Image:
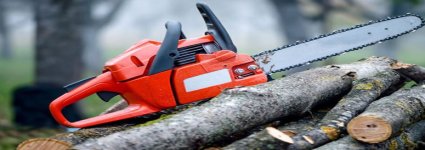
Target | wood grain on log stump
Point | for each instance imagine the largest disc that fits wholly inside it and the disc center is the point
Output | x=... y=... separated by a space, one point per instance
x=410 y=138
x=384 y=118
x=43 y=144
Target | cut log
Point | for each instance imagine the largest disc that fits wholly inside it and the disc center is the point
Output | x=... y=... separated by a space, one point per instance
x=410 y=138
x=241 y=109
x=384 y=118
x=414 y=72
x=363 y=92
x=65 y=140
x=264 y=140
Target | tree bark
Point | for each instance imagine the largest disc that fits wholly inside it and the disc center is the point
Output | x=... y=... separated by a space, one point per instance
x=79 y=136
x=414 y=72
x=410 y=138
x=235 y=110
x=263 y=140
x=333 y=124
x=364 y=92
x=59 y=42
x=241 y=109
x=386 y=117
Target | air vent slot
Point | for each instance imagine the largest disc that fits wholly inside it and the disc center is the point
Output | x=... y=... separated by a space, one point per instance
x=187 y=54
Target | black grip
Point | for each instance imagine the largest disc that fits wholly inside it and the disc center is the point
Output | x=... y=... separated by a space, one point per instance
x=167 y=53
x=215 y=28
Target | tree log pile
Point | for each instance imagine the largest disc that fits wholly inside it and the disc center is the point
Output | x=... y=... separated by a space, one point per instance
x=362 y=105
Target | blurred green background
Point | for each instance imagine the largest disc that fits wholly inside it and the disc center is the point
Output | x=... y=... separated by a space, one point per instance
x=254 y=25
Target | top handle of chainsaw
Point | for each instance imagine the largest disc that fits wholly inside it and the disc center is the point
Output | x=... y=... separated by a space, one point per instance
x=101 y=83
x=167 y=53
x=215 y=28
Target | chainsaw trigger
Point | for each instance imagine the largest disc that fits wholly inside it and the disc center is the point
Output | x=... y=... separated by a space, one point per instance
x=74 y=85
x=106 y=96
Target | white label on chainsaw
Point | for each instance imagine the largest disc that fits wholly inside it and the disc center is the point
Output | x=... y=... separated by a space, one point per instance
x=207 y=80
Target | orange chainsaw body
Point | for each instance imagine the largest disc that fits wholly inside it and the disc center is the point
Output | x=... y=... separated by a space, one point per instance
x=152 y=76
x=127 y=74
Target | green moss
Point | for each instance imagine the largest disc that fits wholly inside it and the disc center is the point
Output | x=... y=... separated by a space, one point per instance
x=408 y=144
x=331 y=132
x=393 y=145
x=363 y=86
x=378 y=83
x=163 y=117
x=404 y=106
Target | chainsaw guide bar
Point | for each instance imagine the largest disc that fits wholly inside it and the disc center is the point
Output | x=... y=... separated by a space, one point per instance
x=301 y=52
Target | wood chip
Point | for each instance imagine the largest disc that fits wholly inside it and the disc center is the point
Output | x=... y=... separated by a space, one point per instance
x=279 y=135
x=308 y=139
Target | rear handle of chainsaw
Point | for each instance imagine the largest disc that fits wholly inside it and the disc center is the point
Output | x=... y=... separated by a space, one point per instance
x=101 y=83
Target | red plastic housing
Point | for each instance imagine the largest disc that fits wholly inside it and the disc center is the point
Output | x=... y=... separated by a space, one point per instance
x=127 y=74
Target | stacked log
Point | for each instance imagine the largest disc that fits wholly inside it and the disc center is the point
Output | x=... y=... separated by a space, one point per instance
x=264 y=111
x=387 y=116
x=410 y=138
x=333 y=124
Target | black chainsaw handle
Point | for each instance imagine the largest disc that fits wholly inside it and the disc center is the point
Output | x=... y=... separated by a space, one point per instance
x=167 y=53
x=215 y=28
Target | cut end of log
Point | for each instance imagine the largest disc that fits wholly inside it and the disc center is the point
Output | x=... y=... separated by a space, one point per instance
x=369 y=129
x=279 y=135
x=399 y=65
x=43 y=144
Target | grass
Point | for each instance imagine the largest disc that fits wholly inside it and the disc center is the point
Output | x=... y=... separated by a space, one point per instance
x=14 y=73
x=19 y=71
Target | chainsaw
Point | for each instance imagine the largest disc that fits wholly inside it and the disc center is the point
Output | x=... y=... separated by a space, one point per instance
x=151 y=76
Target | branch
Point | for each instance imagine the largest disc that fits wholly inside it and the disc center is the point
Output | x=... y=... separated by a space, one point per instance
x=408 y=139
x=386 y=117
x=364 y=92
x=333 y=124
x=414 y=72
x=106 y=19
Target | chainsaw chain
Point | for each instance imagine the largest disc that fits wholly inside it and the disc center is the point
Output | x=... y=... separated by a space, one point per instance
x=336 y=32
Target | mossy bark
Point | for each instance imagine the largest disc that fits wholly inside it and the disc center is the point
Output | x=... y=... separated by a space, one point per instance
x=79 y=136
x=384 y=118
x=233 y=111
x=412 y=137
x=263 y=140
x=364 y=92
x=333 y=124
x=241 y=109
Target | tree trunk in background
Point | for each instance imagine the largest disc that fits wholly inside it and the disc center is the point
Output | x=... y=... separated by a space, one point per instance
x=291 y=19
x=59 y=43
x=93 y=52
x=5 y=48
